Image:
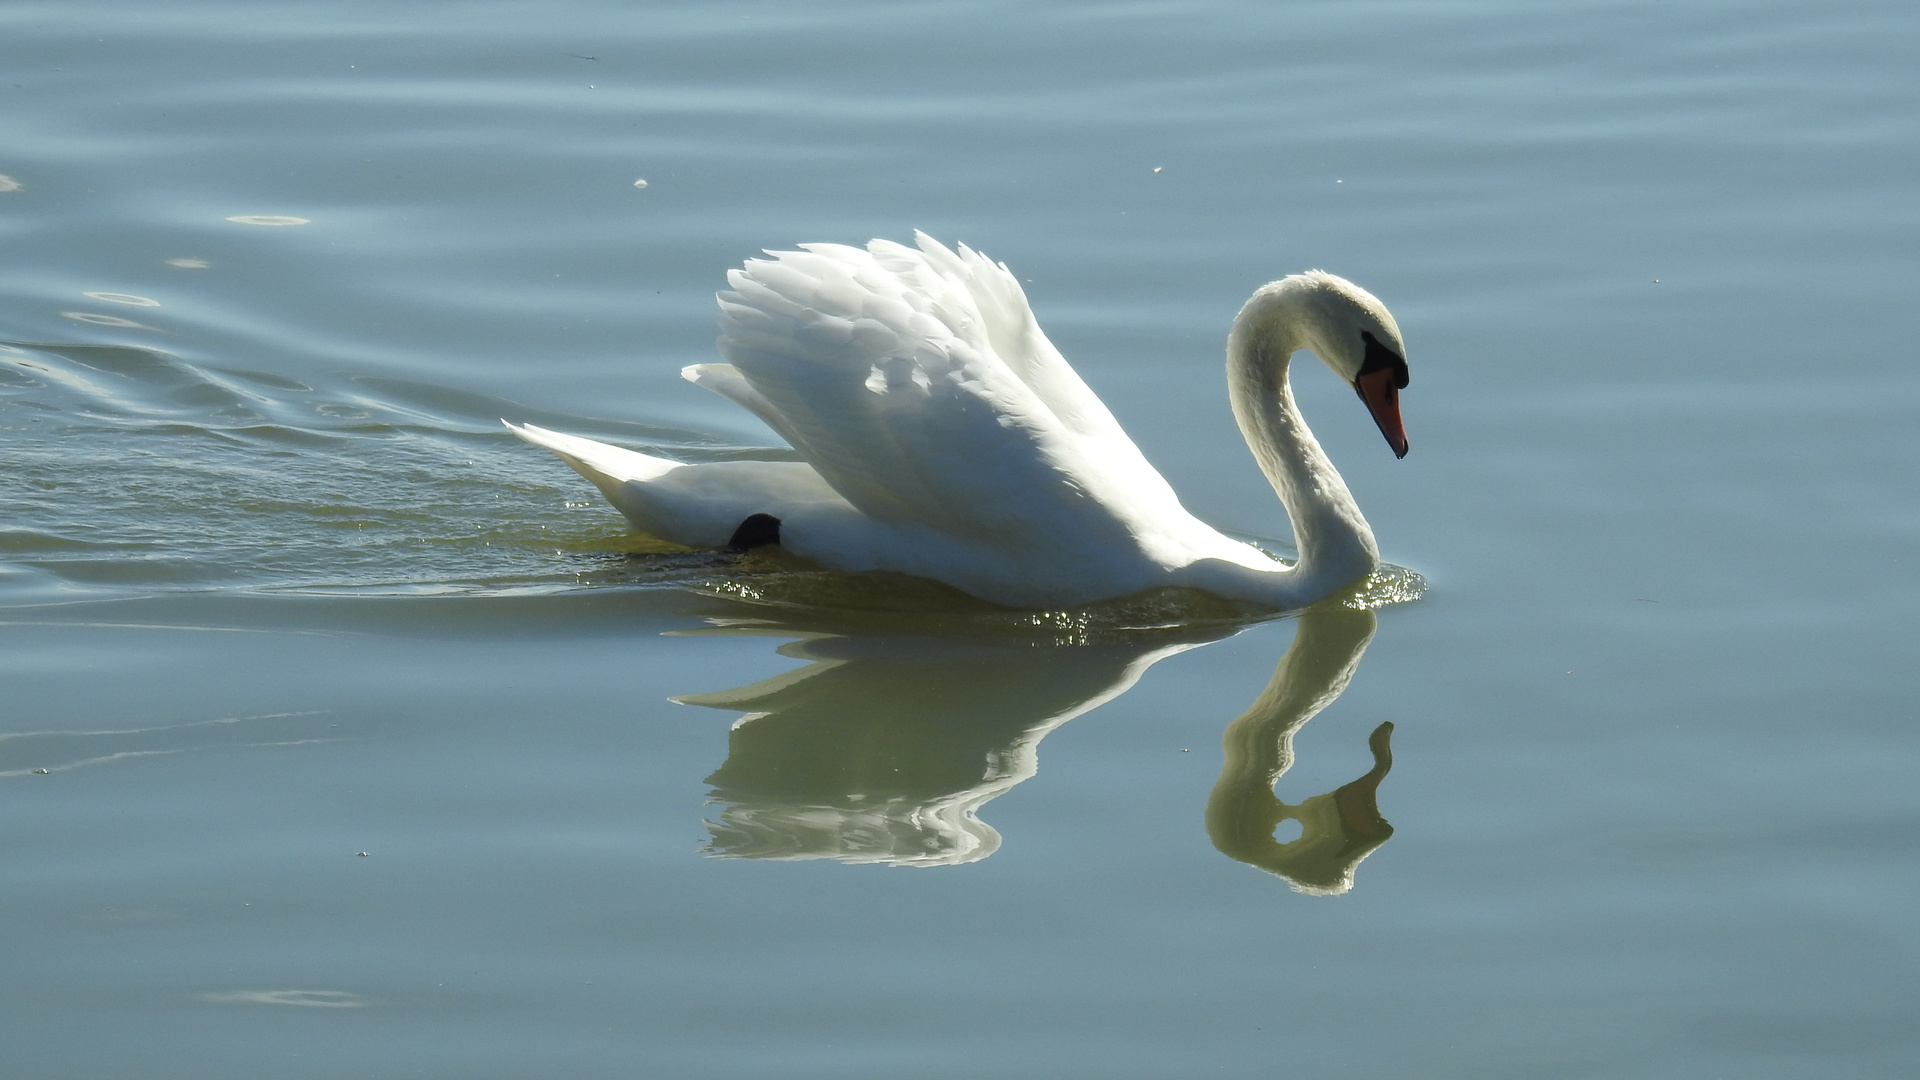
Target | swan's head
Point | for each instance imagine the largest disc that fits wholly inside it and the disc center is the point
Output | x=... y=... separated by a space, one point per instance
x=1351 y=332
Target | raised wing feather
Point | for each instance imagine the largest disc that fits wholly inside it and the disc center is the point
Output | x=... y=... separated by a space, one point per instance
x=919 y=386
x=1011 y=329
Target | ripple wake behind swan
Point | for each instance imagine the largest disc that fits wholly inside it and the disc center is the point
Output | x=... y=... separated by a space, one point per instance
x=135 y=471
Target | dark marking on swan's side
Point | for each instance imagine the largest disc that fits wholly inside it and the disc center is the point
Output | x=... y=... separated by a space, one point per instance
x=758 y=530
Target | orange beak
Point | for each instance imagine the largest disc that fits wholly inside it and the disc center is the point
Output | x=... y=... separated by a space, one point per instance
x=1378 y=390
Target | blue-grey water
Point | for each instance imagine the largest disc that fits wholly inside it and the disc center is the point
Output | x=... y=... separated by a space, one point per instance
x=343 y=735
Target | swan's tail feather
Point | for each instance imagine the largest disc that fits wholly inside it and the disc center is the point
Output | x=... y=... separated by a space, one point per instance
x=596 y=461
x=623 y=476
x=699 y=505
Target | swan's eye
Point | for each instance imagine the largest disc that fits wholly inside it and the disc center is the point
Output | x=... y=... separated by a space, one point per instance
x=1381 y=358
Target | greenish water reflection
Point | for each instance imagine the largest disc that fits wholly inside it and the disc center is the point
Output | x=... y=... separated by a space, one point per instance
x=885 y=747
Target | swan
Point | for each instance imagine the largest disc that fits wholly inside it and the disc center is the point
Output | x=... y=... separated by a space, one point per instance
x=944 y=437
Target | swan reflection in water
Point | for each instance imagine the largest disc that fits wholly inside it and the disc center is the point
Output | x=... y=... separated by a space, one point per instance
x=1337 y=829
x=884 y=748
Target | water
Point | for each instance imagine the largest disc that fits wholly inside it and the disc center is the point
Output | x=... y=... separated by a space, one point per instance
x=276 y=590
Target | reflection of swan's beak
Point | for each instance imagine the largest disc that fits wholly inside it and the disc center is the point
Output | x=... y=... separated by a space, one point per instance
x=1359 y=811
x=1339 y=828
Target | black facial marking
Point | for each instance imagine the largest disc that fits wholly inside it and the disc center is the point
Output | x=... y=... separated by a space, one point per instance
x=758 y=530
x=1378 y=358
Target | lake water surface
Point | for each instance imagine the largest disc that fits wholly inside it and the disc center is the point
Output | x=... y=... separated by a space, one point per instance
x=343 y=735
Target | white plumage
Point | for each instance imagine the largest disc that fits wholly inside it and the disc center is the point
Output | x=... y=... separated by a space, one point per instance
x=945 y=437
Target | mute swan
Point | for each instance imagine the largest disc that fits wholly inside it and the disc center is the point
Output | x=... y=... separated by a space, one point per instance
x=945 y=437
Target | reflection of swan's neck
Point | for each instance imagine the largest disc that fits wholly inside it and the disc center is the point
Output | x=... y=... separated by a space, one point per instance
x=1339 y=828
x=1336 y=545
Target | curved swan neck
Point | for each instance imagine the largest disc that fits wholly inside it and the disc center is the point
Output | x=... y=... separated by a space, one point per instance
x=1336 y=545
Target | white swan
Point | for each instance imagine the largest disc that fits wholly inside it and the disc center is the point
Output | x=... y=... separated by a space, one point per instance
x=945 y=437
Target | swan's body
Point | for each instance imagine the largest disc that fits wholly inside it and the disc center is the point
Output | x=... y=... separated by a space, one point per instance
x=945 y=437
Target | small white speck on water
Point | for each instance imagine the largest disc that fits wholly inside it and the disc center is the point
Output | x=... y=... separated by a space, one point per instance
x=360 y=854
x=1157 y=168
x=640 y=183
x=268 y=219
x=189 y=264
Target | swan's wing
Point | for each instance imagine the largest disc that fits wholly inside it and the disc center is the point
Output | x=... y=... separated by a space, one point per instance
x=726 y=380
x=884 y=368
x=1011 y=329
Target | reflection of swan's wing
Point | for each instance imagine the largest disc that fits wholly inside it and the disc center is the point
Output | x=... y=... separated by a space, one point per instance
x=1339 y=828
x=884 y=750
x=918 y=385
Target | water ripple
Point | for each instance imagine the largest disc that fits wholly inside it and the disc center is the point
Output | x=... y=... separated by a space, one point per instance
x=134 y=470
